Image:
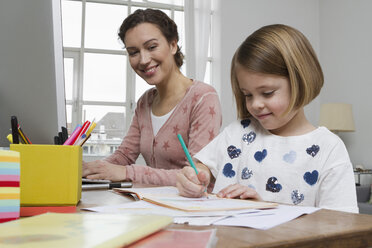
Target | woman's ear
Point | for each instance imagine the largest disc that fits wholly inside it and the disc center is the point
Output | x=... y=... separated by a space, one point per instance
x=173 y=46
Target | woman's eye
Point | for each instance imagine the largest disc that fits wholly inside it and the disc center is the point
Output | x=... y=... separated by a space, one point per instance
x=152 y=47
x=132 y=53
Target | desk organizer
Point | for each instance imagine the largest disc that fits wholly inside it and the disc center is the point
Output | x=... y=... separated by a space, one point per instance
x=50 y=174
x=9 y=185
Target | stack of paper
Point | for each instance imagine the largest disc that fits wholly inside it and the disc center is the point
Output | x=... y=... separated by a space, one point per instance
x=9 y=185
x=205 y=211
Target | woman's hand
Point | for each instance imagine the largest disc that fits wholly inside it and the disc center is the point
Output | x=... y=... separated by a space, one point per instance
x=101 y=169
x=239 y=191
x=191 y=185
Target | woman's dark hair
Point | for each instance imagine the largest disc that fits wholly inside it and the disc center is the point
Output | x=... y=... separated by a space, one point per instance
x=166 y=25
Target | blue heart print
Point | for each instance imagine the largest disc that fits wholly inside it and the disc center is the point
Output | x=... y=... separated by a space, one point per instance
x=246 y=173
x=313 y=150
x=233 y=152
x=290 y=157
x=259 y=156
x=311 y=178
x=228 y=170
x=273 y=185
x=245 y=123
x=297 y=197
x=249 y=137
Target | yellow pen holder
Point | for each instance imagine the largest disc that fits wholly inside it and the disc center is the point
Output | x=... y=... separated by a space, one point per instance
x=50 y=174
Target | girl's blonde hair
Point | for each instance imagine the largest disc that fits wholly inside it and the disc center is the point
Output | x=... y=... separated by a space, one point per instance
x=283 y=51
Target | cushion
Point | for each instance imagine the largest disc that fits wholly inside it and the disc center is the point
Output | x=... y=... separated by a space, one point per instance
x=363 y=193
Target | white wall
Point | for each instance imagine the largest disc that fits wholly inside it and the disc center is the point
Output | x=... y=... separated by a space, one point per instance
x=346 y=55
x=341 y=34
x=240 y=18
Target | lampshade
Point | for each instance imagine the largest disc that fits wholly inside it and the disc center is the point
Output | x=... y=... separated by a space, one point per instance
x=337 y=117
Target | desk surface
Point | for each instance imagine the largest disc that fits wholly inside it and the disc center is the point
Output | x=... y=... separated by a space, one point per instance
x=324 y=228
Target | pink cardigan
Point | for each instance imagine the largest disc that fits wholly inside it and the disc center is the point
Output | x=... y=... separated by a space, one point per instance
x=197 y=118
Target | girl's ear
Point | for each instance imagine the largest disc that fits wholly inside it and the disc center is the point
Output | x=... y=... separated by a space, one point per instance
x=173 y=46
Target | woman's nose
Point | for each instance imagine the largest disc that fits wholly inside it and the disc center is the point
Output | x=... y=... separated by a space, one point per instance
x=144 y=58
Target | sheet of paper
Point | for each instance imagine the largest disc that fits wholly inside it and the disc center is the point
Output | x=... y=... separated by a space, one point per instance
x=212 y=203
x=277 y=216
x=206 y=213
x=153 y=191
x=259 y=219
x=169 y=197
x=198 y=221
x=144 y=208
x=205 y=221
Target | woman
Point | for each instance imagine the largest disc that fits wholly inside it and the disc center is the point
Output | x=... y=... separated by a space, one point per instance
x=176 y=105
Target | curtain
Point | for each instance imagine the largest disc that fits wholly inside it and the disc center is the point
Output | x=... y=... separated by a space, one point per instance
x=197 y=30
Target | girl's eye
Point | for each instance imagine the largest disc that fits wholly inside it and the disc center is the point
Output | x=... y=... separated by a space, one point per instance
x=248 y=96
x=268 y=93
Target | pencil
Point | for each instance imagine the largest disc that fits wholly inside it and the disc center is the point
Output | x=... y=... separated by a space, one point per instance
x=84 y=140
x=21 y=131
x=189 y=158
x=187 y=153
x=22 y=136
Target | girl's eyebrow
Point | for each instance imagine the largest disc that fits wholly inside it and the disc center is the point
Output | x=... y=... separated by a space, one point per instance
x=146 y=42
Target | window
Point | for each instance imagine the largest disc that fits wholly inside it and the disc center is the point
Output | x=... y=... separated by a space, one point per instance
x=100 y=84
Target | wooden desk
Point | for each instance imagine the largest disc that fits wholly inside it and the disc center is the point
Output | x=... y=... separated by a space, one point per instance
x=324 y=228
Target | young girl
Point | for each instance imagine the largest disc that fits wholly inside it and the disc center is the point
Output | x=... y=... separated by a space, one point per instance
x=175 y=105
x=273 y=153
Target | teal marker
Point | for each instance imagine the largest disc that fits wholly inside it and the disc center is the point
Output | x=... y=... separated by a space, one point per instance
x=187 y=153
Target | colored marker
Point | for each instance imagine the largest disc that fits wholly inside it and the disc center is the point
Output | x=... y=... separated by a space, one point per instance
x=10 y=138
x=82 y=131
x=14 y=124
x=73 y=135
x=81 y=139
x=64 y=134
x=92 y=126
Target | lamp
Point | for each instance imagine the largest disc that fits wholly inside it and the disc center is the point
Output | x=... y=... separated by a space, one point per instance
x=337 y=117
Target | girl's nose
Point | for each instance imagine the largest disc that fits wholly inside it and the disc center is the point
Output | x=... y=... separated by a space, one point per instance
x=258 y=103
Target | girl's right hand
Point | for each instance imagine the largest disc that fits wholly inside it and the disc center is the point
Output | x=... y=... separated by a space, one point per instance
x=239 y=191
x=191 y=185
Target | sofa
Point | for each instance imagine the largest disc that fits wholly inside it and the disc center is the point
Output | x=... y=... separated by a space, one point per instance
x=363 y=196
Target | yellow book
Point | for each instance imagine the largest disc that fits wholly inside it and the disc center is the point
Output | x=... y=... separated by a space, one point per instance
x=79 y=230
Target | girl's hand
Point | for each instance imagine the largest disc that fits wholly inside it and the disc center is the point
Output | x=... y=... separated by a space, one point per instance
x=101 y=169
x=191 y=185
x=239 y=191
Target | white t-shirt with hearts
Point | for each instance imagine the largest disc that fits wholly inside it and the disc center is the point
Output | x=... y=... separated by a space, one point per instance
x=313 y=169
